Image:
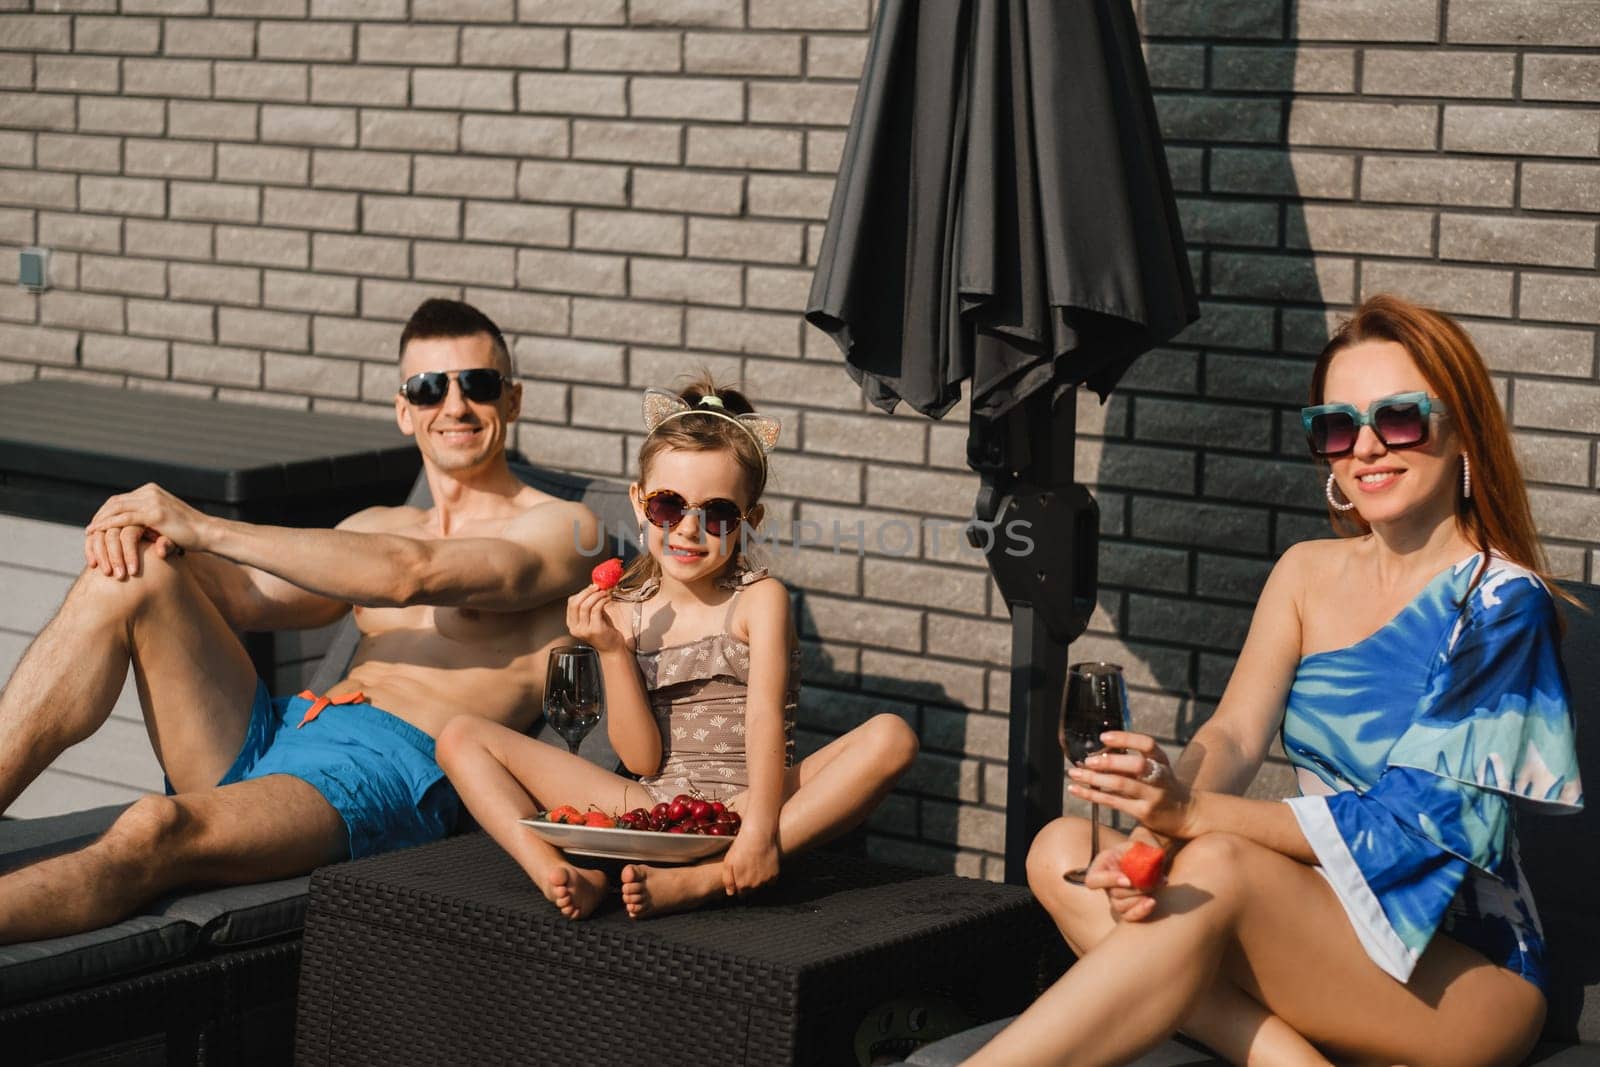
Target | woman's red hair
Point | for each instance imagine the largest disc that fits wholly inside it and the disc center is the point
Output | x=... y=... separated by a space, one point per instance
x=1496 y=518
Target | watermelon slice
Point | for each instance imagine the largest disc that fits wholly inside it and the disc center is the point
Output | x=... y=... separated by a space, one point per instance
x=607 y=574
x=1142 y=864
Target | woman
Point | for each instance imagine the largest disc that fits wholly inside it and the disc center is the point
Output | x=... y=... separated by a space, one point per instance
x=1380 y=917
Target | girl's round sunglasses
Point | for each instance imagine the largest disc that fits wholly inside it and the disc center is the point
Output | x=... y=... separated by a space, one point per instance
x=1400 y=421
x=479 y=384
x=667 y=507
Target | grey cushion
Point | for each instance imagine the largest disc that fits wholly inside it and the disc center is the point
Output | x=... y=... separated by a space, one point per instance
x=1564 y=1056
x=36 y=969
x=22 y=841
x=957 y=1048
x=238 y=915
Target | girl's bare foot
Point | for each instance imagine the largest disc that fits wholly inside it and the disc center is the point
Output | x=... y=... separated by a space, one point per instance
x=575 y=891
x=651 y=891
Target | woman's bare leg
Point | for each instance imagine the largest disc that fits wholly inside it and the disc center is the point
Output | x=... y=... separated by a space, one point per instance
x=1275 y=929
x=503 y=776
x=1225 y=1019
x=829 y=792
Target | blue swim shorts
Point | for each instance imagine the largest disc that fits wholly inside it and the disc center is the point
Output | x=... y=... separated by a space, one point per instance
x=377 y=770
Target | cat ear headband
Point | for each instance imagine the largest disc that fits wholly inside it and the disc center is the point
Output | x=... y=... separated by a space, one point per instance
x=660 y=406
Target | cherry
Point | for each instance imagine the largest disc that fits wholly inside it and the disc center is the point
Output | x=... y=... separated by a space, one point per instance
x=677 y=811
x=679 y=829
x=718 y=807
x=660 y=810
x=699 y=810
x=719 y=830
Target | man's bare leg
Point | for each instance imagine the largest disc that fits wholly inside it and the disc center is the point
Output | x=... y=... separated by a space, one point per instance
x=829 y=792
x=196 y=683
x=272 y=827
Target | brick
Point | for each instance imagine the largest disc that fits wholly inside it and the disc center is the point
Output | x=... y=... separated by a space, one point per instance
x=1238 y=377
x=308 y=292
x=16 y=72
x=38 y=345
x=1203 y=424
x=760 y=54
x=375 y=171
x=1561 y=297
x=306 y=40
x=216 y=365
x=573 y=183
x=465 y=177
x=1199 y=524
x=1565 y=513
x=1546 y=77
x=215 y=202
x=117 y=33
x=504 y=46
x=1404 y=72
x=37 y=111
x=409 y=129
x=123 y=196
x=1462 y=290
x=1342 y=124
x=616 y=320
x=871 y=437
x=309 y=125
x=604 y=409
x=1534 y=349
x=384 y=257
x=263 y=247
x=567 y=360
x=38 y=33
x=928 y=586
x=373 y=86
x=762 y=242
x=700 y=192
x=1144 y=566
x=1523 y=22
x=1497 y=239
x=761 y=333
x=170 y=240
x=707 y=99
x=269 y=8
x=866 y=624
x=174 y=159
x=744 y=148
x=808 y=14
x=1164 y=370
x=1109 y=463
x=588 y=12
x=1274 y=172
x=120 y=115
x=1561 y=187
x=1366 y=20
x=1547 y=458
x=88 y=233
x=411 y=216
x=1254 y=480
x=802 y=103
x=811 y=477
x=263 y=329
x=311 y=374
x=396 y=301
x=168 y=318
x=1279 y=69
x=628 y=231
x=625 y=50
x=303 y=207
x=351 y=337
x=232 y=122
x=59 y=151
x=571 y=448
x=787 y=197
x=407 y=45
x=567 y=272
x=931 y=681
x=1379 y=231
x=88 y=311
x=227 y=38
x=279 y=82
x=722 y=13
x=76 y=74
x=687 y=281
x=473 y=90
x=836 y=57
x=777 y=290
x=1229 y=222
x=628 y=142
x=1179 y=66
x=1192 y=622
x=1522 y=130
x=245 y=163
x=1218 y=118
x=1187 y=167
x=464 y=263
x=1202 y=18
x=1432 y=180
x=1305 y=331
x=522 y=224
x=506 y=135
x=125 y=354
x=522 y=312
x=218 y=285
x=573 y=94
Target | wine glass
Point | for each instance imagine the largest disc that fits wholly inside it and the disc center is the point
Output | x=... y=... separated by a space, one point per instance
x=1094 y=700
x=572 y=701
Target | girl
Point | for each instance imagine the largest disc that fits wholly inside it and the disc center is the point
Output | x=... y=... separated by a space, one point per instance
x=701 y=671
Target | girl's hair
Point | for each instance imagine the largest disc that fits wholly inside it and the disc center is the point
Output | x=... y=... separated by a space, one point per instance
x=697 y=432
x=1496 y=518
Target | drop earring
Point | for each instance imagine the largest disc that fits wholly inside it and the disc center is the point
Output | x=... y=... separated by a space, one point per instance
x=1466 y=477
x=1333 y=501
x=644 y=540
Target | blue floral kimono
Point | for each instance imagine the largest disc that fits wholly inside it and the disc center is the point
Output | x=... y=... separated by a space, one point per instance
x=1410 y=747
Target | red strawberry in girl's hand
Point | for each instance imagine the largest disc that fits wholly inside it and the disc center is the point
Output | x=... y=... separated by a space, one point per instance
x=1142 y=864
x=607 y=574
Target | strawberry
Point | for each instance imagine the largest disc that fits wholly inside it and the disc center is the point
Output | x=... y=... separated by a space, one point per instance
x=607 y=574
x=1142 y=864
x=564 y=814
x=599 y=818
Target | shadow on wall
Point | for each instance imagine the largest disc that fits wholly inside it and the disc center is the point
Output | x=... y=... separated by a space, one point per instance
x=1199 y=465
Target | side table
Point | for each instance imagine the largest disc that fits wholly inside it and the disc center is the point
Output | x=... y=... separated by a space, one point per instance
x=445 y=954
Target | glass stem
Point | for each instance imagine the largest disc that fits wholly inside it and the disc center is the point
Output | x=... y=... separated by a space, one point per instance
x=1094 y=832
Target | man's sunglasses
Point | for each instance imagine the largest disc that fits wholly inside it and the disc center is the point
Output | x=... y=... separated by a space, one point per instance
x=666 y=508
x=1400 y=421
x=481 y=385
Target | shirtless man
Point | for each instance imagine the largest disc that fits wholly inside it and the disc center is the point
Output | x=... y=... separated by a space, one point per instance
x=458 y=607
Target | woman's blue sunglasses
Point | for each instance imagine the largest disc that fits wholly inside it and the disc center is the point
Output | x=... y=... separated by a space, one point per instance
x=1400 y=421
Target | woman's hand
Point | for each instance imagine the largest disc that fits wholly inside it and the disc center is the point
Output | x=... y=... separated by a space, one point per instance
x=750 y=863
x=1137 y=781
x=589 y=621
x=1129 y=905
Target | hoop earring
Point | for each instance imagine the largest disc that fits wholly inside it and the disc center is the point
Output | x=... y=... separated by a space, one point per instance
x=1332 y=502
x=1466 y=477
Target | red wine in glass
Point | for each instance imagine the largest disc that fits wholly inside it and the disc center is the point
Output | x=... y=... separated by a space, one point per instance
x=1094 y=700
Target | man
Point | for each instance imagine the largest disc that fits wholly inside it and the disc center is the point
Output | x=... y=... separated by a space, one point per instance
x=457 y=605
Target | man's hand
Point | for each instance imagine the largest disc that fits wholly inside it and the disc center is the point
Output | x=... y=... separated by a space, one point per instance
x=751 y=862
x=151 y=507
x=118 y=552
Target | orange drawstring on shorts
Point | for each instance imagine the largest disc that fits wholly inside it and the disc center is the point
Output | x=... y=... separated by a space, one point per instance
x=318 y=703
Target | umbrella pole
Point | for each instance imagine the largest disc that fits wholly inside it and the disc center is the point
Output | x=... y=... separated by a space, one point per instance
x=1035 y=778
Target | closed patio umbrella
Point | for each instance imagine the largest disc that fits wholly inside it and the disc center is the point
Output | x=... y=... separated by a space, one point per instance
x=1004 y=218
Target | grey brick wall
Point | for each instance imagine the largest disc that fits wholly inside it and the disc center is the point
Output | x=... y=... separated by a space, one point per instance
x=246 y=197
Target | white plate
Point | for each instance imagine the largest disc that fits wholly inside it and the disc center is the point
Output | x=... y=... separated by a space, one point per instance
x=614 y=844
